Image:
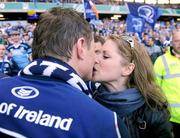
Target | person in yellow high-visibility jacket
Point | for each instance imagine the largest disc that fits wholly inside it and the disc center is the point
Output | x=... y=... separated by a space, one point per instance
x=167 y=69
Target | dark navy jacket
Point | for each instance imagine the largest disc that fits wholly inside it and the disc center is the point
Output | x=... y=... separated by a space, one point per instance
x=36 y=107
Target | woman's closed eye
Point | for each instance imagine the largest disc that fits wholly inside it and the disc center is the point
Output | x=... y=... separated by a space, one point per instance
x=106 y=57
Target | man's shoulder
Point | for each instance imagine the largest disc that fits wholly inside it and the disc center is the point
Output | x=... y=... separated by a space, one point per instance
x=10 y=46
x=3 y=76
x=24 y=45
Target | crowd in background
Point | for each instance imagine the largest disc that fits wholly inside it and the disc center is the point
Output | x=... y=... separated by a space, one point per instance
x=16 y=40
x=15 y=47
x=155 y=40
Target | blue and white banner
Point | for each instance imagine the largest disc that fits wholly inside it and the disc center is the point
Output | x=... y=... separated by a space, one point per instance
x=90 y=10
x=147 y=12
x=135 y=24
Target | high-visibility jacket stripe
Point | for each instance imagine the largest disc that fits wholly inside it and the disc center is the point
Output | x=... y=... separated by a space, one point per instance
x=171 y=76
x=177 y=105
x=168 y=74
x=165 y=65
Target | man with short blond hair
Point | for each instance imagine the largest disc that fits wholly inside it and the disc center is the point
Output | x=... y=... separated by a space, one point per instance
x=49 y=97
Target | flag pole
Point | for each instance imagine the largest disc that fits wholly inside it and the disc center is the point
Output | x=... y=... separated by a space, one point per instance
x=84 y=12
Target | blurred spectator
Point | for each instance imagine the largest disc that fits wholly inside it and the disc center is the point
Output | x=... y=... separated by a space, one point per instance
x=27 y=39
x=5 y=64
x=178 y=25
x=19 y=51
x=145 y=38
x=164 y=43
x=153 y=50
x=8 y=28
x=2 y=41
x=167 y=68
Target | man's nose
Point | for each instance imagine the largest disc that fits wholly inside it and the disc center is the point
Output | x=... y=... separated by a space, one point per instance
x=98 y=59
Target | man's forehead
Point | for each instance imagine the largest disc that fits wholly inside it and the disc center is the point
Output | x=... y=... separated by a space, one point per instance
x=176 y=35
x=175 y=32
x=98 y=45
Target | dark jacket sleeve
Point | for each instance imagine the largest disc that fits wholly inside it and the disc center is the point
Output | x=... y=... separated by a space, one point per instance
x=160 y=123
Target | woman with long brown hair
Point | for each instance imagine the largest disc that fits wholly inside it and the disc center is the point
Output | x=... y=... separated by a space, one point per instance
x=129 y=88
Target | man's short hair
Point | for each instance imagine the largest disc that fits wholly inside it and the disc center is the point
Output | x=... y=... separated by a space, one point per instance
x=98 y=38
x=57 y=31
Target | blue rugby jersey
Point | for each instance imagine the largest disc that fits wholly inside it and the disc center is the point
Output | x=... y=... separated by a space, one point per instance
x=20 y=54
x=35 y=107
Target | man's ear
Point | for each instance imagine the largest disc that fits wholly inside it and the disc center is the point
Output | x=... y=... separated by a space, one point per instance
x=80 y=48
x=128 y=69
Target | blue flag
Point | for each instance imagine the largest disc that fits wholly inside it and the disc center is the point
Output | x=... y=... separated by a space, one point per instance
x=90 y=10
x=135 y=24
x=148 y=12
